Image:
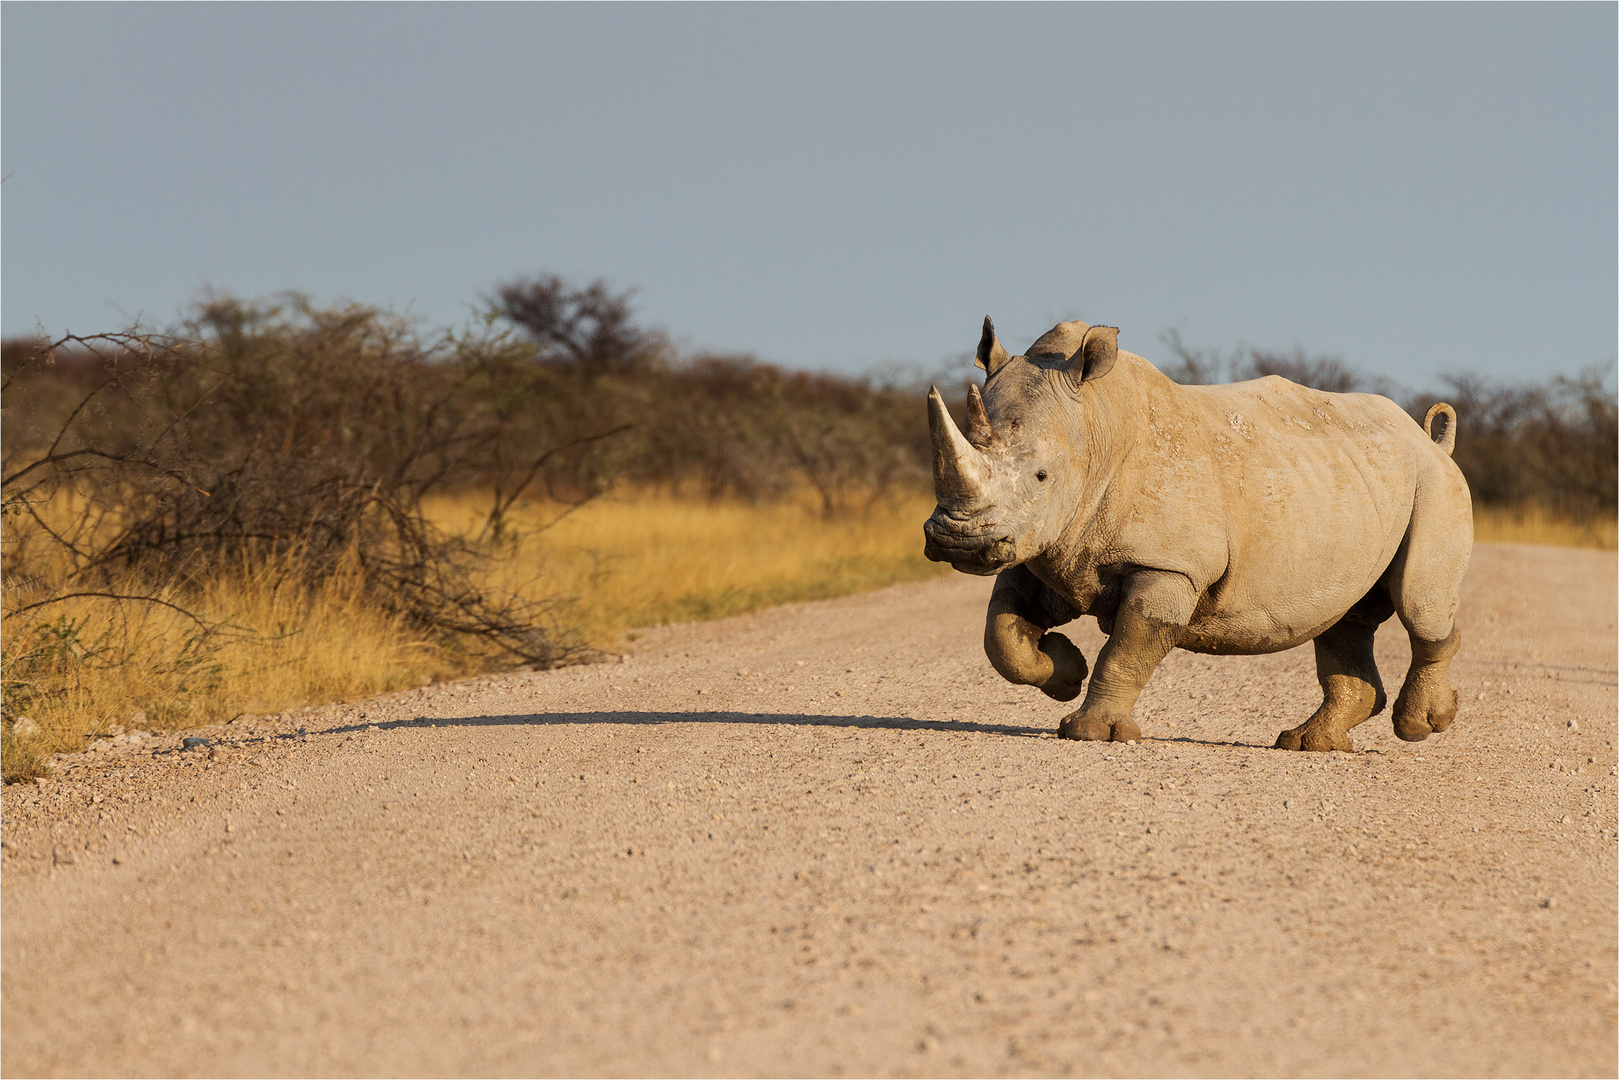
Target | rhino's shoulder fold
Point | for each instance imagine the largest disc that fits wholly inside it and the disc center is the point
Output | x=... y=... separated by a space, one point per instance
x=1019 y=590
x=1055 y=608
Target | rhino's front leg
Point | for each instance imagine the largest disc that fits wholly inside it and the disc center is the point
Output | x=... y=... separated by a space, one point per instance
x=1154 y=609
x=1016 y=641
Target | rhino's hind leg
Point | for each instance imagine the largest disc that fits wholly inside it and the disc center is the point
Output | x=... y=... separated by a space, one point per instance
x=1427 y=703
x=1351 y=691
x=1425 y=583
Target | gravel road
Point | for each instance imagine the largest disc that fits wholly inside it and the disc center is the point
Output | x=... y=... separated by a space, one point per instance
x=827 y=839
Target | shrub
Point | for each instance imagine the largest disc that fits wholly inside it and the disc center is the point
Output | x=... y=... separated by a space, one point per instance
x=260 y=431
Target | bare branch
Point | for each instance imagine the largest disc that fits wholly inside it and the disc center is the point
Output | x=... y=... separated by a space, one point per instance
x=60 y=598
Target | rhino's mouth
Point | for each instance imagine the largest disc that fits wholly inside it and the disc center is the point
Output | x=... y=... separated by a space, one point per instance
x=980 y=552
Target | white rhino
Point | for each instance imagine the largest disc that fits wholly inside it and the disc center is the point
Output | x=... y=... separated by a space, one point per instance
x=1236 y=519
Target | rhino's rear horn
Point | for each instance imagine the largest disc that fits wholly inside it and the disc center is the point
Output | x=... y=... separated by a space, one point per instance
x=960 y=471
x=979 y=430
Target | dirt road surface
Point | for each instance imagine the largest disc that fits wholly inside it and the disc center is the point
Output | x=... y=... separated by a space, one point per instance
x=827 y=839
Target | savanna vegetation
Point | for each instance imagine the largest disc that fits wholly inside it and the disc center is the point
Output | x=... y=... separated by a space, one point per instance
x=278 y=502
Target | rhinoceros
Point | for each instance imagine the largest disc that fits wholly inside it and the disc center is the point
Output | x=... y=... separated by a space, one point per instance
x=1238 y=519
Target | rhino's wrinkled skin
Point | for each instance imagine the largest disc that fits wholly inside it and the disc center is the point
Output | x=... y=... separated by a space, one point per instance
x=1247 y=518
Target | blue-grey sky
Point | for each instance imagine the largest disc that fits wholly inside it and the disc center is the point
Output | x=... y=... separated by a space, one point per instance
x=1420 y=189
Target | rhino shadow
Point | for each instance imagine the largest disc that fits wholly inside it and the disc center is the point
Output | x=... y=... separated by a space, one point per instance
x=642 y=718
x=639 y=718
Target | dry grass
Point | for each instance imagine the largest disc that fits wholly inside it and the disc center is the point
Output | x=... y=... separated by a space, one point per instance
x=632 y=559
x=96 y=667
x=1532 y=525
x=640 y=558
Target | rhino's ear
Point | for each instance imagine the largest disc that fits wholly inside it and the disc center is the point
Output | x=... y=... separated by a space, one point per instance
x=991 y=357
x=1097 y=353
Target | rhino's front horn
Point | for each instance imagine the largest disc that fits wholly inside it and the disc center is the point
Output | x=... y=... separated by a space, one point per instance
x=959 y=470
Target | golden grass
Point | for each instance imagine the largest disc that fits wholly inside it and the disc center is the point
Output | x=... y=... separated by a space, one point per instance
x=1532 y=525
x=630 y=559
x=95 y=666
x=640 y=558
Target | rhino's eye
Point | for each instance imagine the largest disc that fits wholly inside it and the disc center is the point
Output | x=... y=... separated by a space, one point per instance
x=1041 y=475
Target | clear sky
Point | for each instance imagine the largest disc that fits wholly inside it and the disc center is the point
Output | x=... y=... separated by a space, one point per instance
x=1420 y=189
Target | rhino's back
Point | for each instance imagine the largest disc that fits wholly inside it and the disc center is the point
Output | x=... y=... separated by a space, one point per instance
x=1274 y=413
x=1283 y=447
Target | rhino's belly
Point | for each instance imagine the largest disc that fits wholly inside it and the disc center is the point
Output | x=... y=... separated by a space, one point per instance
x=1282 y=623
x=1246 y=637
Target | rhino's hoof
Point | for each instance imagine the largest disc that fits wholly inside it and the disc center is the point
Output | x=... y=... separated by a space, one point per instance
x=1068 y=669
x=1422 y=710
x=1061 y=691
x=1442 y=719
x=1087 y=728
x=1314 y=739
x=1126 y=731
x=1320 y=741
x=1412 y=728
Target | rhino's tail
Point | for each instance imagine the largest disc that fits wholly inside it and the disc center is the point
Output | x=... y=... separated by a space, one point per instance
x=1440 y=424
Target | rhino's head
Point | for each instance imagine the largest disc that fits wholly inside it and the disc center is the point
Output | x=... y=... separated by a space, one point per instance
x=1008 y=487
